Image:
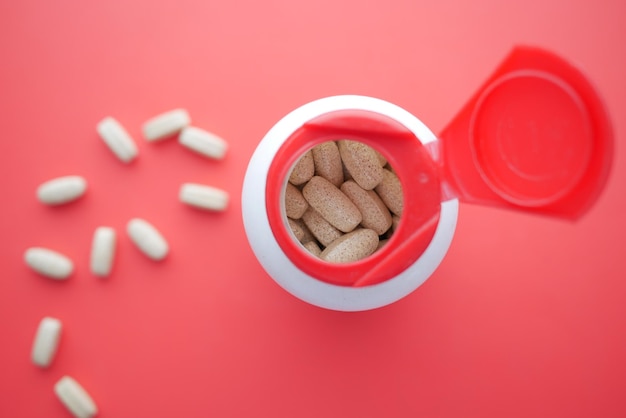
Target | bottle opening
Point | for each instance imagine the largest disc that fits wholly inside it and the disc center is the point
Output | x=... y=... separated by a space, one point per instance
x=353 y=198
x=342 y=201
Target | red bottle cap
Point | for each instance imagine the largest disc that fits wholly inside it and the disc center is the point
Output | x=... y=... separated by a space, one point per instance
x=535 y=137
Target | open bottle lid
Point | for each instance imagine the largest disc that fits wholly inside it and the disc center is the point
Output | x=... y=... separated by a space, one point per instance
x=535 y=137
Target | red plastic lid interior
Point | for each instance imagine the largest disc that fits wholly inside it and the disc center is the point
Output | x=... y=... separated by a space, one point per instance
x=412 y=164
x=535 y=137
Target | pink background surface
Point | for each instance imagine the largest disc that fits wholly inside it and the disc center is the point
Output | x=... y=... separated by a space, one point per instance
x=525 y=317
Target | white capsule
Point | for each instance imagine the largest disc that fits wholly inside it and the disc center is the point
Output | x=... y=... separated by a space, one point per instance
x=46 y=341
x=61 y=190
x=102 y=251
x=147 y=238
x=49 y=263
x=205 y=197
x=75 y=398
x=117 y=139
x=203 y=142
x=166 y=124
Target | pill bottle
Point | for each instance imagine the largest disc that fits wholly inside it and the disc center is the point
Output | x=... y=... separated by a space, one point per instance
x=535 y=137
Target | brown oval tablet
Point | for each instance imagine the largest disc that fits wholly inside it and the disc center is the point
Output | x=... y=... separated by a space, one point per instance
x=320 y=228
x=362 y=163
x=303 y=170
x=313 y=248
x=327 y=162
x=350 y=247
x=375 y=214
x=307 y=235
x=295 y=203
x=390 y=191
x=332 y=204
x=296 y=229
x=381 y=159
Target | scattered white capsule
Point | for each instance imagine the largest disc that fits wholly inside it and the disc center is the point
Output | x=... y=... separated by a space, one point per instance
x=46 y=341
x=117 y=139
x=75 y=398
x=203 y=142
x=102 y=251
x=204 y=197
x=166 y=124
x=49 y=263
x=147 y=238
x=61 y=190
